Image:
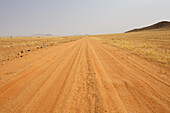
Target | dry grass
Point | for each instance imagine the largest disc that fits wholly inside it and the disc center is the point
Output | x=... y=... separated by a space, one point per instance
x=154 y=45
x=29 y=41
x=10 y=46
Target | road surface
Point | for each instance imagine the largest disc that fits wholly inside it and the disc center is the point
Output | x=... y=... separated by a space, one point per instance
x=84 y=76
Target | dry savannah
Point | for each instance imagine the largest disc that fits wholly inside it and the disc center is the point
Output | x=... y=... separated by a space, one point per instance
x=115 y=73
x=84 y=56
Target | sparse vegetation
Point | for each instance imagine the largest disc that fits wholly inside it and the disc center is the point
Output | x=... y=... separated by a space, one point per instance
x=154 y=45
x=17 y=46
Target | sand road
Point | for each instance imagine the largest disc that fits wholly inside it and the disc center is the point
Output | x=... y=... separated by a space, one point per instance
x=84 y=76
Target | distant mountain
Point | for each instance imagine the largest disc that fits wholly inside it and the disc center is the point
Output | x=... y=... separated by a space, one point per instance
x=164 y=25
x=43 y=35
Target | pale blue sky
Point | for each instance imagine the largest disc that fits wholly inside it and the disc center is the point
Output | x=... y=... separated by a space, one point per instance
x=71 y=17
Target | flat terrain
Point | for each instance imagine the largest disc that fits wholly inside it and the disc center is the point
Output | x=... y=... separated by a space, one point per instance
x=153 y=45
x=83 y=76
x=11 y=47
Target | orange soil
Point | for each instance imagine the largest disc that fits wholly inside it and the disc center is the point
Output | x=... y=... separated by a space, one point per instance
x=83 y=76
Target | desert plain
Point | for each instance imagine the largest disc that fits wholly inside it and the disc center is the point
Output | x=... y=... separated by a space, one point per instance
x=114 y=73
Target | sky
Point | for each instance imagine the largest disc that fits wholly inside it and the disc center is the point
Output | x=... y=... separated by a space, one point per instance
x=78 y=17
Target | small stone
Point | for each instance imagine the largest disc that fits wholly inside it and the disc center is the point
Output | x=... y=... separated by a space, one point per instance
x=19 y=53
x=22 y=51
x=3 y=63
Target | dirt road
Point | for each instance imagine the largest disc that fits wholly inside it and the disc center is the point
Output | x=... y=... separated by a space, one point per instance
x=83 y=76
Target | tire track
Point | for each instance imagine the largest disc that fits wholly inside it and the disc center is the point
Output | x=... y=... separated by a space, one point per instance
x=134 y=76
x=84 y=76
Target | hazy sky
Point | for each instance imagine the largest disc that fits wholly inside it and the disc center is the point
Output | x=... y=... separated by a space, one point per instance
x=71 y=17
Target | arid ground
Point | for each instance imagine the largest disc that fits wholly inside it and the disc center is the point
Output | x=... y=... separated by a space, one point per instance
x=83 y=76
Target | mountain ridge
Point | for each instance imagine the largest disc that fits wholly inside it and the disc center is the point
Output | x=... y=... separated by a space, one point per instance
x=158 y=26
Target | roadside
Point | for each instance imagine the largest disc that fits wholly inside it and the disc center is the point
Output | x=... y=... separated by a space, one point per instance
x=16 y=47
x=151 y=45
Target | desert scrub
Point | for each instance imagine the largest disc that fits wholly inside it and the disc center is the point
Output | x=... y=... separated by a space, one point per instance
x=151 y=44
